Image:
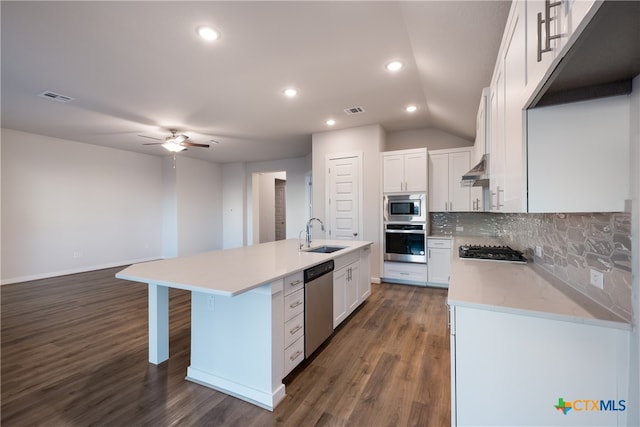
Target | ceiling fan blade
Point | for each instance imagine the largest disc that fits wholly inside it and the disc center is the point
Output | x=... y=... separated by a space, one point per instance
x=153 y=143
x=150 y=137
x=193 y=144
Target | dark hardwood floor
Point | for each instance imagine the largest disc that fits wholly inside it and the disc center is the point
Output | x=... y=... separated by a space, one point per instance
x=74 y=353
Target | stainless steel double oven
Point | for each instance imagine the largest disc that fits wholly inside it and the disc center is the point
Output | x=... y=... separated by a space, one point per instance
x=405 y=227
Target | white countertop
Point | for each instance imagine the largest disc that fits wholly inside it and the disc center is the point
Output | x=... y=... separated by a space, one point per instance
x=231 y=272
x=520 y=289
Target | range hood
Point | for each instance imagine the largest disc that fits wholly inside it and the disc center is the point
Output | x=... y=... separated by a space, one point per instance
x=478 y=176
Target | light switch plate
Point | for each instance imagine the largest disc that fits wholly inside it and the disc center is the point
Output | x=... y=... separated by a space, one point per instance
x=597 y=278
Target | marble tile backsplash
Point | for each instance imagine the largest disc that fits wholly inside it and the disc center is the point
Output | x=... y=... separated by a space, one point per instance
x=571 y=245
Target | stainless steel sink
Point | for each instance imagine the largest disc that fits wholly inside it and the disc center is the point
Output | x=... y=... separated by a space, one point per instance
x=325 y=249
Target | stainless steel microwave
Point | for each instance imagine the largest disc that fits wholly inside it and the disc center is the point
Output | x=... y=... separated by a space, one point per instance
x=410 y=207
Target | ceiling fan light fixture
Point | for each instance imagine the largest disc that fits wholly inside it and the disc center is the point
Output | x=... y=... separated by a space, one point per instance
x=178 y=139
x=208 y=33
x=173 y=147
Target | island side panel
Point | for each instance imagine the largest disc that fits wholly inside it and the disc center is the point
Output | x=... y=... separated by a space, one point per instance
x=237 y=344
x=158 y=323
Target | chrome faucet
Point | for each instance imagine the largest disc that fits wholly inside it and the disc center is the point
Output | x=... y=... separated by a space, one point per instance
x=308 y=230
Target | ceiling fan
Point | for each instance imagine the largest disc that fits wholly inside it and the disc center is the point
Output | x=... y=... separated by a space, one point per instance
x=174 y=143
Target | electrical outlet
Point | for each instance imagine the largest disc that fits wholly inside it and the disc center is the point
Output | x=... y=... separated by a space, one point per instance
x=459 y=228
x=597 y=278
x=538 y=251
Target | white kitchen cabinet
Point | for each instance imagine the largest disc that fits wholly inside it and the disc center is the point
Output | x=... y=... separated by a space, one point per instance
x=364 y=289
x=480 y=147
x=405 y=272
x=508 y=138
x=439 y=261
x=404 y=171
x=500 y=360
x=580 y=149
x=345 y=286
x=446 y=167
x=293 y=320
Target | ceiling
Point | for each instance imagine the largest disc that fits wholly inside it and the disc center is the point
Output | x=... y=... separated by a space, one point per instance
x=139 y=68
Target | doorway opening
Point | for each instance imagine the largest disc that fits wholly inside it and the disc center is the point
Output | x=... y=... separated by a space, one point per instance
x=269 y=206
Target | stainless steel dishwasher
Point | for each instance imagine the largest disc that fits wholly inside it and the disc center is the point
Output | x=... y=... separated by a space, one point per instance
x=318 y=306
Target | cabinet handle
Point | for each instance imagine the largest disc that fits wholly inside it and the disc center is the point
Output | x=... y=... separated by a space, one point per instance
x=547 y=26
x=450 y=206
x=445 y=206
x=297 y=282
x=498 y=204
x=295 y=304
x=295 y=355
x=429 y=253
x=294 y=330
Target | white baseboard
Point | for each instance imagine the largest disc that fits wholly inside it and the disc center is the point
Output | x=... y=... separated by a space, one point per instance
x=72 y=271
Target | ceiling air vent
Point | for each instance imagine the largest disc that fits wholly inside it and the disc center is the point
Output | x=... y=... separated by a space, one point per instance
x=354 y=110
x=55 y=97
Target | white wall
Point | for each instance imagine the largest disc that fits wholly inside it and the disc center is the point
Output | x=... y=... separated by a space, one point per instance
x=234 y=215
x=370 y=141
x=69 y=207
x=199 y=205
x=431 y=138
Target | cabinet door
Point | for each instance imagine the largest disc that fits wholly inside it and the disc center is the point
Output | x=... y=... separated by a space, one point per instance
x=439 y=182
x=517 y=357
x=496 y=159
x=352 y=287
x=393 y=173
x=339 y=295
x=439 y=265
x=459 y=196
x=514 y=129
x=364 y=287
x=415 y=171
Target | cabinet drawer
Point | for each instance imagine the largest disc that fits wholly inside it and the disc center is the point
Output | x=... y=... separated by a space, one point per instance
x=439 y=243
x=405 y=271
x=347 y=259
x=293 y=304
x=293 y=282
x=293 y=355
x=293 y=329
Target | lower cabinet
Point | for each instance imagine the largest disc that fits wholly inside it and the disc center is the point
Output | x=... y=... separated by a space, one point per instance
x=351 y=283
x=439 y=261
x=405 y=272
x=293 y=321
x=512 y=369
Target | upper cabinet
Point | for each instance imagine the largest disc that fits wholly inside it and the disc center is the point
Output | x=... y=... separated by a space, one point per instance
x=404 y=171
x=446 y=167
x=558 y=159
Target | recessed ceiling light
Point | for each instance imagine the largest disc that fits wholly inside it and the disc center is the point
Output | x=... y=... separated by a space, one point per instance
x=330 y=122
x=290 y=92
x=208 y=33
x=411 y=109
x=394 y=65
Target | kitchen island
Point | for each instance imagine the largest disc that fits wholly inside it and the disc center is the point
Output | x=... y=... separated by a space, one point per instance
x=238 y=311
x=524 y=344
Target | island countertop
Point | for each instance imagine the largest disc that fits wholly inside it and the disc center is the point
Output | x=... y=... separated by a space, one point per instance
x=231 y=272
x=521 y=289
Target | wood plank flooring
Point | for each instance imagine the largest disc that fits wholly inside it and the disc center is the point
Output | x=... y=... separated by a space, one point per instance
x=74 y=353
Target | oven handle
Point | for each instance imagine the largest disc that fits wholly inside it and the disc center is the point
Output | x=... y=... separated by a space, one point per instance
x=405 y=231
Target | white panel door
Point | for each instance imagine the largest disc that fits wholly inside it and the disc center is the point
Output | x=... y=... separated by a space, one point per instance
x=343 y=177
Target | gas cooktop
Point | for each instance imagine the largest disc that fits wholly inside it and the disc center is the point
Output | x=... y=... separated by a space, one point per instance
x=491 y=253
